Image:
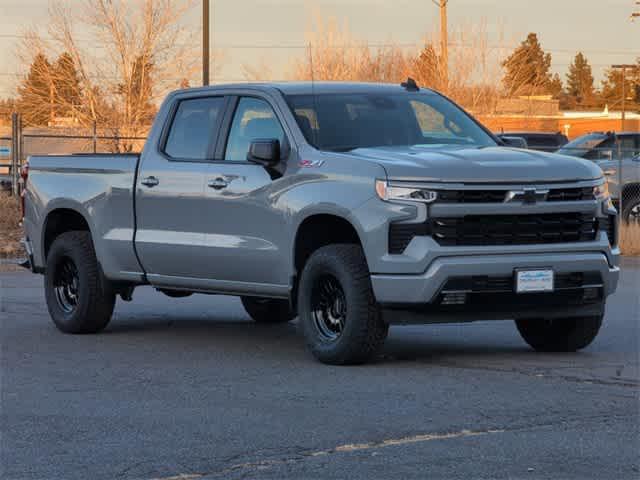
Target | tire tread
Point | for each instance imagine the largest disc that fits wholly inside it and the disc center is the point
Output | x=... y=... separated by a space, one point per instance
x=95 y=314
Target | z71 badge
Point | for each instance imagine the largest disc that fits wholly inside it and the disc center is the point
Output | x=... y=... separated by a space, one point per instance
x=310 y=163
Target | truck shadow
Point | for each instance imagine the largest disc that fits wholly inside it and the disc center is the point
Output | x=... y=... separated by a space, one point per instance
x=238 y=335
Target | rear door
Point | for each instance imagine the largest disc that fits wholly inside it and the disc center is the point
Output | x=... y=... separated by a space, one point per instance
x=170 y=199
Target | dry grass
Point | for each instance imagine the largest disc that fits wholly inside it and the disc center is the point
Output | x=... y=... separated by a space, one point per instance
x=630 y=240
x=10 y=230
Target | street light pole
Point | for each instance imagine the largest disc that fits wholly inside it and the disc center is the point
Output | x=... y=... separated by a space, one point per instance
x=624 y=90
x=205 y=42
x=444 y=41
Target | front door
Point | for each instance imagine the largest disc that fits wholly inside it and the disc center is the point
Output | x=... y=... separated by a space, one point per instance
x=171 y=204
x=246 y=234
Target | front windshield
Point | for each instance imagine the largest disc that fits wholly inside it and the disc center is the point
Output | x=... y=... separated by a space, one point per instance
x=582 y=145
x=343 y=122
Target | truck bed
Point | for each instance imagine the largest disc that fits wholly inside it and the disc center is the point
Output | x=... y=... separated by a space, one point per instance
x=100 y=187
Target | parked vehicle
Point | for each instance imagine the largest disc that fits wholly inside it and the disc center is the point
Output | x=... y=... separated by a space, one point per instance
x=545 y=142
x=353 y=206
x=611 y=151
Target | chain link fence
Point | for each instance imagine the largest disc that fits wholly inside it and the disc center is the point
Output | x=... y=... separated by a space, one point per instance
x=24 y=142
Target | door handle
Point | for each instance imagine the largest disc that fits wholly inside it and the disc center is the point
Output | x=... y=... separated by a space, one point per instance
x=218 y=184
x=150 y=181
x=609 y=173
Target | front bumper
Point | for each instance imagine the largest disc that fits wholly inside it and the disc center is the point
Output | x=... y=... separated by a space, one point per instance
x=419 y=293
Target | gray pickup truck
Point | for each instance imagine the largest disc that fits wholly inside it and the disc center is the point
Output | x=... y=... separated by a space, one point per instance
x=618 y=155
x=352 y=206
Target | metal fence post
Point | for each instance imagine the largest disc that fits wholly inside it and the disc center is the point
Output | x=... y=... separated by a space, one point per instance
x=16 y=141
x=95 y=137
x=620 y=184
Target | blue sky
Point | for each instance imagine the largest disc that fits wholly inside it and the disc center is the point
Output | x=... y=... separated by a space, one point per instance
x=600 y=28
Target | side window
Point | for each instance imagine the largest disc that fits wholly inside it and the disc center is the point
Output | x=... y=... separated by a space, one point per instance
x=193 y=129
x=627 y=146
x=603 y=151
x=254 y=118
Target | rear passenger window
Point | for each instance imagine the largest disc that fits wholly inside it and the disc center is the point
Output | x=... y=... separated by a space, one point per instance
x=193 y=129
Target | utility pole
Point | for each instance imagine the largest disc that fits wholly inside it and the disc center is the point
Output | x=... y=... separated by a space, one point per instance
x=624 y=90
x=444 y=42
x=205 y=42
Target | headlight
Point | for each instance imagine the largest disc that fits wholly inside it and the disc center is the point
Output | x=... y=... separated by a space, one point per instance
x=389 y=192
x=601 y=192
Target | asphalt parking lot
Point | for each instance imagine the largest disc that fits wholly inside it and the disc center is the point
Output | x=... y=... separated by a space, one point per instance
x=191 y=389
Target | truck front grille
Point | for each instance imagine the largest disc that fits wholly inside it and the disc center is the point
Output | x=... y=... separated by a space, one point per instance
x=477 y=230
x=499 y=196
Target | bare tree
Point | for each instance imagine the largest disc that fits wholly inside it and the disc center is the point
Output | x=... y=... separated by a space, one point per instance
x=335 y=54
x=474 y=64
x=127 y=55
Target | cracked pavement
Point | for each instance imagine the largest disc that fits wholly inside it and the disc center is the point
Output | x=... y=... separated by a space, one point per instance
x=191 y=389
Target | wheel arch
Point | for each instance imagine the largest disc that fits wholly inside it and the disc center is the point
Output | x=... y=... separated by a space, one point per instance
x=317 y=230
x=60 y=220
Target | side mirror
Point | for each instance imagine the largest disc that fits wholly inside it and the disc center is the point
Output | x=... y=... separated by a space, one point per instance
x=264 y=151
x=516 y=142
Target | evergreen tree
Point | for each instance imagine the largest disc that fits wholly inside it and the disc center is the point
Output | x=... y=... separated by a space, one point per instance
x=68 y=90
x=136 y=95
x=528 y=69
x=141 y=89
x=580 y=80
x=555 y=86
x=37 y=93
x=426 y=68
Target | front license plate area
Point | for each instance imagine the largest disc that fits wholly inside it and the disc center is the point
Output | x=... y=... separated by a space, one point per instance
x=534 y=280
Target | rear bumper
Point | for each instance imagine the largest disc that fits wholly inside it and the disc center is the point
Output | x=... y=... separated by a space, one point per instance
x=421 y=294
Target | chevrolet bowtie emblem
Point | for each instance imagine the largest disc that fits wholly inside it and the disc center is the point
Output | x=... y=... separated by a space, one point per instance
x=526 y=195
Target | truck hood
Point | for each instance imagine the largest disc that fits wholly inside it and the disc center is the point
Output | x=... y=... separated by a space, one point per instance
x=478 y=165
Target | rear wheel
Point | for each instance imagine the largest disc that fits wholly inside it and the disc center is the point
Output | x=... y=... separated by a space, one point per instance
x=631 y=210
x=267 y=310
x=79 y=298
x=559 y=335
x=338 y=313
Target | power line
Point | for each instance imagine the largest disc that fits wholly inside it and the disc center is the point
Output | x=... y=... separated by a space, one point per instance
x=375 y=44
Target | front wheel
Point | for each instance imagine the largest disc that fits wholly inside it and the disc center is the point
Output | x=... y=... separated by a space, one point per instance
x=338 y=313
x=559 y=335
x=79 y=298
x=631 y=210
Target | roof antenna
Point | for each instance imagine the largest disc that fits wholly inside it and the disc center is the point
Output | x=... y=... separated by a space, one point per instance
x=410 y=85
x=316 y=130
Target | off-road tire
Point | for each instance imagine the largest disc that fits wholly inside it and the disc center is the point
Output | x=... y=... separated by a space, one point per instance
x=364 y=331
x=267 y=310
x=95 y=297
x=559 y=335
x=627 y=206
